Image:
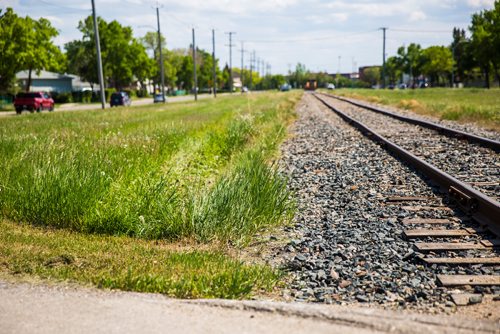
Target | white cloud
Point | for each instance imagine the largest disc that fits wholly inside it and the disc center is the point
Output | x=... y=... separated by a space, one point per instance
x=417 y=16
x=480 y=3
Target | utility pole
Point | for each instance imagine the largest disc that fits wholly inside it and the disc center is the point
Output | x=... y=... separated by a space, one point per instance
x=383 y=57
x=242 y=65
x=252 y=59
x=258 y=65
x=162 y=71
x=231 y=33
x=195 y=78
x=99 y=62
x=214 y=74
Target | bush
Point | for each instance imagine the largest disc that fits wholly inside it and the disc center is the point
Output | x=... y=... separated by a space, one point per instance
x=142 y=93
x=107 y=93
x=62 y=97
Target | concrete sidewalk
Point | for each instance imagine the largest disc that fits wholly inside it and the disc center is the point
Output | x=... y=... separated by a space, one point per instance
x=28 y=308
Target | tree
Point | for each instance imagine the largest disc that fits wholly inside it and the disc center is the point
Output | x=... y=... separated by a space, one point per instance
x=437 y=63
x=124 y=58
x=393 y=69
x=485 y=29
x=299 y=77
x=82 y=60
x=26 y=44
x=463 y=60
x=410 y=60
x=372 y=75
x=13 y=42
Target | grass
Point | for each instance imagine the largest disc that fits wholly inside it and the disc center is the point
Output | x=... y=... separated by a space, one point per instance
x=128 y=264
x=480 y=106
x=201 y=172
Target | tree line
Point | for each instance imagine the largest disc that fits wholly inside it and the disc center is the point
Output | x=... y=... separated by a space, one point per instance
x=465 y=60
x=27 y=44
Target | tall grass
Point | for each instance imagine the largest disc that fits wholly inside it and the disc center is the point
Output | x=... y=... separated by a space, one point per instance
x=193 y=170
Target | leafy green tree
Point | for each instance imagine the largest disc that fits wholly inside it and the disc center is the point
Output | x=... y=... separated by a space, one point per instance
x=463 y=59
x=485 y=29
x=410 y=60
x=82 y=60
x=393 y=69
x=300 y=76
x=26 y=44
x=123 y=56
x=437 y=63
x=185 y=73
x=372 y=75
x=13 y=42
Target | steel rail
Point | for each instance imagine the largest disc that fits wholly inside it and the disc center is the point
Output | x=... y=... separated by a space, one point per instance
x=483 y=209
x=486 y=142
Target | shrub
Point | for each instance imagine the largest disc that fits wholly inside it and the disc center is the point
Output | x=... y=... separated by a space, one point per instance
x=62 y=97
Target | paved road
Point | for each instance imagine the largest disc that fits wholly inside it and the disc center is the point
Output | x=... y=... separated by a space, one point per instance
x=61 y=309
x=140 y=102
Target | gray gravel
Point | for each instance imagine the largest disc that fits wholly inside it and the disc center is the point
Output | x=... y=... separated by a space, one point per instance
x=466 y=127
x=347 y=244
x=467 y=162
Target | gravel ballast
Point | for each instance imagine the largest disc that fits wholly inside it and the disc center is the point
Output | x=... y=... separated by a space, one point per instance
x=347 y=245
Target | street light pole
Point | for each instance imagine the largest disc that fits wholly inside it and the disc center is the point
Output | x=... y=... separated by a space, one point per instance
x=99 y=63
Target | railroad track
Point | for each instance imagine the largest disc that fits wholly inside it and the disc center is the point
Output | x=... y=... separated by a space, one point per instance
x=467 y=170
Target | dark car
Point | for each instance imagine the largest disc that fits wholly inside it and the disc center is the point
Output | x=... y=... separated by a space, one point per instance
x=159 y=98
x=285 y=87
x=33 y=101
x=119 y=99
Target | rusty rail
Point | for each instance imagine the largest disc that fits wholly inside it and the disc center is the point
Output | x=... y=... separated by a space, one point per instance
x=485 y=142
x=483 y=209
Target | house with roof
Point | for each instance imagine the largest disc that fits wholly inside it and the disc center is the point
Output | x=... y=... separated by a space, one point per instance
x=52 y=82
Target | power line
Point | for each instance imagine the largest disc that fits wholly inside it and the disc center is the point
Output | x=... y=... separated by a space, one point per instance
x=59 y=7
x=298 y=40
x=421 y=31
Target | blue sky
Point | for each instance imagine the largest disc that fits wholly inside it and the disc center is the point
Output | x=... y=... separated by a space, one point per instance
x=320 y=34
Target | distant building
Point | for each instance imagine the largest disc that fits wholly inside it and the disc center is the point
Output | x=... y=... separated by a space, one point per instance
x=52 y=82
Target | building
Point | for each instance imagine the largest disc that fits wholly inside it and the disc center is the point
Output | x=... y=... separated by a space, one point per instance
x=52 y=82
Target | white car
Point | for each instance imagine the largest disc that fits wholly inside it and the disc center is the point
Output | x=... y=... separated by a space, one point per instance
x=330 y=86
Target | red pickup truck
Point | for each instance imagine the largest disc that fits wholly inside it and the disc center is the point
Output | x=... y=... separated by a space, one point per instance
x=33 y=101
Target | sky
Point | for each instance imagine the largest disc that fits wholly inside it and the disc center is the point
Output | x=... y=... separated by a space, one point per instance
x=323 y=35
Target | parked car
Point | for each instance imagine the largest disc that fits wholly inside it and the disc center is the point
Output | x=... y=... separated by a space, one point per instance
x=159 y=98
x=285 y=87
x=119 y=99
x=402 y=86
x=33 y=101
x=330 y=86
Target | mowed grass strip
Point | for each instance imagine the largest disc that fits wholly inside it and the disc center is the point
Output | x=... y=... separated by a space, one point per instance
x=481 y=106
x=112 y=198
x=130 y=264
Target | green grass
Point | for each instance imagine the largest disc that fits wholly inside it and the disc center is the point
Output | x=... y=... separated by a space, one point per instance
x=481 y=106
x=201 y=172
x=181 y=171
x=127 y=264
